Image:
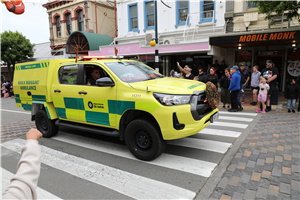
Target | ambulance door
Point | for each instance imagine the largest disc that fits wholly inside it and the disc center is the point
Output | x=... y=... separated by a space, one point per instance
x=99 y=102
x=65 y=93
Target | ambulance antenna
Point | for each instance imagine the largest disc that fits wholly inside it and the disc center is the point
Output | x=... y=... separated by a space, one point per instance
x=76 y=51
x=116 y=51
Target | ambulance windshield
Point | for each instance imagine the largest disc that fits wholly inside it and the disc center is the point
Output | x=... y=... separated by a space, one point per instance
x=130 y=72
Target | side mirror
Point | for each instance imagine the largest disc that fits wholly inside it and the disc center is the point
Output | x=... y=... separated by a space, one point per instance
x=105 y=82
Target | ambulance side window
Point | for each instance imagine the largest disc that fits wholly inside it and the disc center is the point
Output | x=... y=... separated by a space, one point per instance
x=89 y=69
x=68 y=74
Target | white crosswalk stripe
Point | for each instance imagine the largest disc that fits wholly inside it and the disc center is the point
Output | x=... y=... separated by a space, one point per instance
x=236 y=118
x=209 y=145
x=6 y=177
x=132 y=185
x=237 y=113
x=209 y=131
x=226 y=124
x=165 y=160
x=212 y=140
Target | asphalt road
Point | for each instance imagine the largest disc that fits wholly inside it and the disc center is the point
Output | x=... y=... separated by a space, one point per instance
x=80 y=165
x=10 y=112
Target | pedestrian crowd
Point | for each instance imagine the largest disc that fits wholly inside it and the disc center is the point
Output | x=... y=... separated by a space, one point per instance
x=233 y=81
x=7 y=89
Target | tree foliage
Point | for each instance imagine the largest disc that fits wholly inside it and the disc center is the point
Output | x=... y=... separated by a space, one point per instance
x=15 y=48
x=279 y=7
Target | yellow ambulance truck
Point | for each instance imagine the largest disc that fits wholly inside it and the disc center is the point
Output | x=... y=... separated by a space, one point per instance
x=129 y=100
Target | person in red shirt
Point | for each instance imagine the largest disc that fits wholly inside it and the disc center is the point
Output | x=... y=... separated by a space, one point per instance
x=16 y=7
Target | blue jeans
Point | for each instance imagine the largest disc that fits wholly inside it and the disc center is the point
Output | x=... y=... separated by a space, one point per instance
x=243 y=93
x=293 y=102
x=238 y=99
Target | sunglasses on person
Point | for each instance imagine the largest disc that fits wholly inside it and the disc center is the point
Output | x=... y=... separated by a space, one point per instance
x=268 y=63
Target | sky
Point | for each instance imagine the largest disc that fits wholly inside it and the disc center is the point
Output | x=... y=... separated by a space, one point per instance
x=33 y=23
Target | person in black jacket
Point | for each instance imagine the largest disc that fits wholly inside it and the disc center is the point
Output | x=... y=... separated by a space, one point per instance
x=201 y=76
x=291 y=94
x=212 y=77
x=224 y=84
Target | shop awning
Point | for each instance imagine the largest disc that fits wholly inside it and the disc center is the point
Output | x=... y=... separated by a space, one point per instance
x=260 y=38
x=86 y=42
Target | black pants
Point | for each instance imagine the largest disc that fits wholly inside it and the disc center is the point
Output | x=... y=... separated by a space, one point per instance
x=233 y=98
x=299 y=103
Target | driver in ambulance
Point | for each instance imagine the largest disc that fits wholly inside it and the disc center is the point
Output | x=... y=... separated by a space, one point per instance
x=94 y=76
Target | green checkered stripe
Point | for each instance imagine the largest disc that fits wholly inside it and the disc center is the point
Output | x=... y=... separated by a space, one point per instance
x=114 y=107
x=30 y=99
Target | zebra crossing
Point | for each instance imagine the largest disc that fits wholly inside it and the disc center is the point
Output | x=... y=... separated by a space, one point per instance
x=78 y=166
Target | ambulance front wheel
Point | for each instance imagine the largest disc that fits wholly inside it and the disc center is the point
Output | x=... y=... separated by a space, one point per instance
x=144 y=140
x=46 y=126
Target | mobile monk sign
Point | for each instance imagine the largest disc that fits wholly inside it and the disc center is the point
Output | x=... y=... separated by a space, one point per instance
x=256 y=38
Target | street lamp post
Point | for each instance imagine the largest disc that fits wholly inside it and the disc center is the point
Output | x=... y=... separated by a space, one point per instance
x=156 y=35
x=156 y=32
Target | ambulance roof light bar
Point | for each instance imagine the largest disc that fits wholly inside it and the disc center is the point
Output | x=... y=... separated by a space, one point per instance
x=101 y=57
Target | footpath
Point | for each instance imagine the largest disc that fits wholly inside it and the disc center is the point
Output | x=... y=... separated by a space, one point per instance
x=264 y=163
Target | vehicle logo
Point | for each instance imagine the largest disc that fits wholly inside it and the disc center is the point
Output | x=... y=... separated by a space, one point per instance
x=90 y=104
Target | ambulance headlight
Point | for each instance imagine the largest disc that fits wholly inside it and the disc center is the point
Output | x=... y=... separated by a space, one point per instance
x=170 y=100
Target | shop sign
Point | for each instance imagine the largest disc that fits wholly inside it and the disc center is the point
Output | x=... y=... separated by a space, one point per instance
x=294 y=68
x=136 y=49
x=268 y=37
x=250 y=38
x=271 y=52
x=242 y=56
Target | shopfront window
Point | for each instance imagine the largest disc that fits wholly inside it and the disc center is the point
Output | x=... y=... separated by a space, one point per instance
x=244 y=56
x=195 y=62
x=277 y=57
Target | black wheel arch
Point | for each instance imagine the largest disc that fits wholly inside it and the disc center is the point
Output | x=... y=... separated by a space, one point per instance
x=36 y=107
x=130 y=115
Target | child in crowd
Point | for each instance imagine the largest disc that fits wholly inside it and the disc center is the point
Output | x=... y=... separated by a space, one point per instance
x=262 y=96
x=291 y=94
x=255 y=78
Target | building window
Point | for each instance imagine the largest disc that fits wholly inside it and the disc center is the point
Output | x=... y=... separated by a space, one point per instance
x=149 y=14
x=80 y=20
x=69 y=23
x=182 y=11
x=207 y=11
x=252 y=5
x=133 y=18
x=58 y=26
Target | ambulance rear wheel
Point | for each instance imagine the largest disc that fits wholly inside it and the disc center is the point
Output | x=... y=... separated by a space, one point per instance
x=144 y=140
x=46 y=126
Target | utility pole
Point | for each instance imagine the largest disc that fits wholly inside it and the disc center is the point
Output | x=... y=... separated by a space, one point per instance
x=96 y=17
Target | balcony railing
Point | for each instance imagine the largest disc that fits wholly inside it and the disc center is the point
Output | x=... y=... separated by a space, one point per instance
x=197 y=20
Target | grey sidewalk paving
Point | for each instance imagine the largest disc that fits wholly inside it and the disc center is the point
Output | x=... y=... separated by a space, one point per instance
x=266 y=165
